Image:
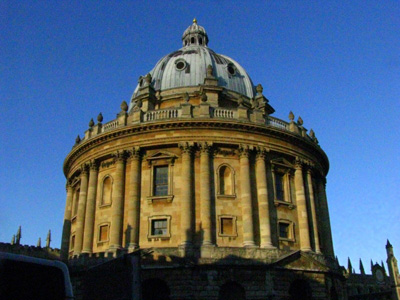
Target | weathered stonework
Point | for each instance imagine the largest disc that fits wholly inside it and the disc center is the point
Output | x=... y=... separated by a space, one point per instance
x=226 y=196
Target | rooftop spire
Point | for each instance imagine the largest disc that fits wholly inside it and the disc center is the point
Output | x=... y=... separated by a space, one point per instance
x=195 y=21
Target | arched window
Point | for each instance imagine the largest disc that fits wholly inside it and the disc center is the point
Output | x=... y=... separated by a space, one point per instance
x=232 y=291
x=155 y=289
x=106 y=191
x=300 y=290
x=226 y=182
x=75 y=202
x=200 y=41
x=192 y=40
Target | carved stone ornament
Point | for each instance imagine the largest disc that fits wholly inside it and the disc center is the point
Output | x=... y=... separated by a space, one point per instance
x=134 y=153
x=259 y=89
x=261 y=153
x=209 y=71
x=204 y=98
x=205 y=147
x=84 y=168
x=100 y=118
x=119 y=156
x=240 y=101
x=186 y=147
x=298 y=164
x=300 y=121
x=78 y=139
x=124 y=106
x=91 y=123
x=291 y=116
x=186 y=97
x=312 y=134
x=244 y=150
x=94 y=165
x=148 y=79
x=139 y=103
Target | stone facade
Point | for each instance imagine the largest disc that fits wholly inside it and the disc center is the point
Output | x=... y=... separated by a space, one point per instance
x=229 y=198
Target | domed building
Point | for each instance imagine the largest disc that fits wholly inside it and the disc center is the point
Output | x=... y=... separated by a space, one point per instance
x=231 y=200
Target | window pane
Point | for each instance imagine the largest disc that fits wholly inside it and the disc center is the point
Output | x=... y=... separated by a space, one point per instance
x=161 y=181
x=159 y=227
x=279 y=187
x=103 y=233
x=227 y=226
x=283 y=230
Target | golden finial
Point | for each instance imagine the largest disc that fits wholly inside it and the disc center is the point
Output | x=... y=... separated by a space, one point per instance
x=195 y=20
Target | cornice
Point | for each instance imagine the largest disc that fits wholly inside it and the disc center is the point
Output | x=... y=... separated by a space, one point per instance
x=136 y=129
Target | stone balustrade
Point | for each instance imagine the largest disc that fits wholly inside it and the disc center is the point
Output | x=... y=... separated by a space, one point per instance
x=176 y=113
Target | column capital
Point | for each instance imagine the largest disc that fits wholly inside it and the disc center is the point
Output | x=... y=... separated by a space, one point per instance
x=205 y=147
x=84 y=168
x=134 y=153
x=93 y=165
x=186 y=147
x=119 y=156
x=298 y=164
x=244 y=150
x=261 y=153
x=68 y=185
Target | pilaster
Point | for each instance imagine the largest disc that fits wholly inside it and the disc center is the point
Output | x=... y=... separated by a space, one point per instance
x=247 y=209
x=134 y=200
x=205 y=193
x=313 y=211
x=302 y=208
x=117 y=209
x=80 y=218
x=66 y=233
x=186 y=195
x=90 y=208
x=263 y=205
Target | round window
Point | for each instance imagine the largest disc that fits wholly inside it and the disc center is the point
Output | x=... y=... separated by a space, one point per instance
x=180 y=65
x=231 y=69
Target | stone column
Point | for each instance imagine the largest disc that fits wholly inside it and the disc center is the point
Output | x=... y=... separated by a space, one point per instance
x=117 y=210
x=80 y=217
x=186 y=196
x=66 y=233
x=205 y=194
x=313 y=212
x=134 y=200
x=90 y=208
x=246 y=201
x=302 y=208
x=263 y=205
x=326 y=229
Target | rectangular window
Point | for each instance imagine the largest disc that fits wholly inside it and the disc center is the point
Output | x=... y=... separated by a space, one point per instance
x=284 y=230
x=72 y=244
x=159 y=227
x=160 y=183
x=103 y=233
x=279 y=188
x=227 y=226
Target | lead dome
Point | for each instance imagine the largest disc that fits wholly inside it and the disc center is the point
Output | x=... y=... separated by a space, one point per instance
x=187 y=67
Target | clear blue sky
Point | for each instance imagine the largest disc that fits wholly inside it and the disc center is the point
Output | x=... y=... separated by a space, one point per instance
x=334 y=63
